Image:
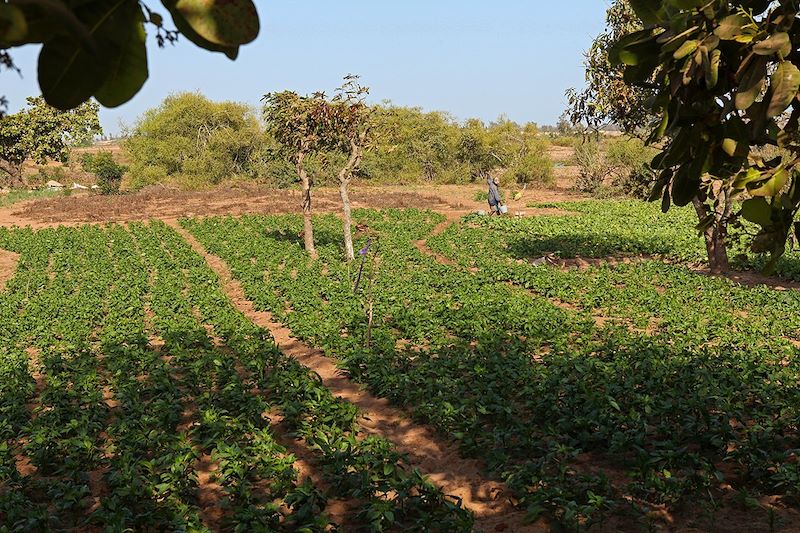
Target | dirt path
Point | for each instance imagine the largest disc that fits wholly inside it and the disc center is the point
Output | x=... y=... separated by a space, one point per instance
x=433 y=456
x=8 y=265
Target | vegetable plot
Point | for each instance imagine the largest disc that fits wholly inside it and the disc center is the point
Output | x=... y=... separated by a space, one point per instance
x=133 y=395
x=601 y=397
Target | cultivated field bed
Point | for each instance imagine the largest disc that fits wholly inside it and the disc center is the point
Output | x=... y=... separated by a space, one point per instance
x=616 y=387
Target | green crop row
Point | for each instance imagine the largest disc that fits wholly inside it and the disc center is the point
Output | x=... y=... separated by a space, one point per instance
x=664 y=382
x=147 y=375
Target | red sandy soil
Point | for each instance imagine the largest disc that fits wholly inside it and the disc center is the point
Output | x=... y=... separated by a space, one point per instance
x=170 y=204
x=8 y=264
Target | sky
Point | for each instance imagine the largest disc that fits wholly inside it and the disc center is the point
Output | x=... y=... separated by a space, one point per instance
x=472 y=58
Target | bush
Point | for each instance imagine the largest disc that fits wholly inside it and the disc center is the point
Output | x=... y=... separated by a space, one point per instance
x=533 y=167
x=629 y=160
x=618 y=166
x=413 y=146
x=593 y=167
x=49 y=173
x=108 y=172
x=566 y=141
x=192 y=140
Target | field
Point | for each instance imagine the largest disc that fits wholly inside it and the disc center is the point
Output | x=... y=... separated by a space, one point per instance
x=573 y=369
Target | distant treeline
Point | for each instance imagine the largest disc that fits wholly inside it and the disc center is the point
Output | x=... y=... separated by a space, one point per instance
x=194 y=142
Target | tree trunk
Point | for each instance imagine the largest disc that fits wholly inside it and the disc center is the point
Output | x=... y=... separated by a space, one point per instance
x=349 y=252
x=13 y=170
x=716 y=234
x=345 y=176
x=308 y=225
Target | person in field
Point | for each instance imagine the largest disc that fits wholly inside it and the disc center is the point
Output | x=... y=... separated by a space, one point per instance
x=494 y=195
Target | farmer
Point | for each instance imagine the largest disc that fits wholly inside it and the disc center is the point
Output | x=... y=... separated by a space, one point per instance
x=494 y=195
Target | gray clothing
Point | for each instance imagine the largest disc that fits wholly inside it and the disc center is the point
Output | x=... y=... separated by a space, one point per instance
x=494 y=193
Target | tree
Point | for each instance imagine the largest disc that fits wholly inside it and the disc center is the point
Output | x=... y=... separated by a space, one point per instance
x=519 y=151
x=726 y=78
x=191 y=140
x=108 y=172
x=607 y=98
x=411 y=145
x=297 y=123
x=348 y=129
x=41 y=133
x=97 y=48
x=306 y=126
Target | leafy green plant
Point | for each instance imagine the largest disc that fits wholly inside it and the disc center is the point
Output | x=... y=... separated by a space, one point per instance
x=109 y=173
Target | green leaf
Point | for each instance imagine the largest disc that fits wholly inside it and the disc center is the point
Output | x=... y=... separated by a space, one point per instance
x=751 y=83
x=69 y=74
x=773 y=186
x=646 y=10
x=687 y=4
x=186 y=30
x=628 y=49
x=226 y=24
x=729 y=146
x=746 y=176
x=13 y=26
x=684 y=189
x=731 y=27
x=689 y=47
x=129 y=71
x=757 y=211
x=780 y=44
x=784 y=85
x=712 y=68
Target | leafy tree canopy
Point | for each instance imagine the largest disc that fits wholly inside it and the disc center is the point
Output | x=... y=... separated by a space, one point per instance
x=41 y=133
x=607 y=99
x=726 y=78
x=194 y=141
x=97 y=48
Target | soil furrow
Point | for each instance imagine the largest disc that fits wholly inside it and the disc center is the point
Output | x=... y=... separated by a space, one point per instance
x=8 y=265
x=434 y=457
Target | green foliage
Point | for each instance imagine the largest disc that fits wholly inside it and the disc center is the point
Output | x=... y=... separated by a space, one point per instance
x=13 y=197
x=191 y=140
x=607 y=98
x=618 y=166
x=136 y=387
x=412 y=146
x=686 y=373
x=98 y=49
x=726 y=83
x=108 y=172
x=42 y=133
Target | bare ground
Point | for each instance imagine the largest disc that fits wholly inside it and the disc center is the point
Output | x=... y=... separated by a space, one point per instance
x=170 y=204
x=8 y=265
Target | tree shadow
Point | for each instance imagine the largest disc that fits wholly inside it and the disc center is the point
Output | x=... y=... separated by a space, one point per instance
x=588 y=245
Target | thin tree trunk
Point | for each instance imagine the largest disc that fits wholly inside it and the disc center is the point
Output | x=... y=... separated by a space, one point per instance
x=723 y=211
x=349 y=252
x=345 y=176
x=715 y=235
x=308 y=225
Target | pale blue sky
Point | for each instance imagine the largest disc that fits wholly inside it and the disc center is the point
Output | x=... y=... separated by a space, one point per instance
x=473 y=58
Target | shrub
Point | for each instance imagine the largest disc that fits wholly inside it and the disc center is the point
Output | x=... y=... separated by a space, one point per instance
x=593 y=167
x=191 y=139
x=108 y=172
x=533 y=167
x=629 y=160
x=48 y=173
x=617 y=166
